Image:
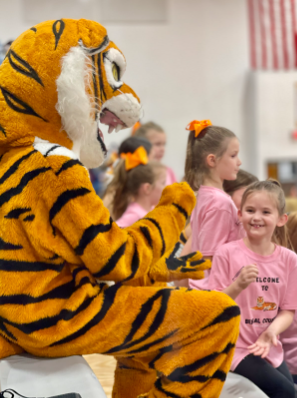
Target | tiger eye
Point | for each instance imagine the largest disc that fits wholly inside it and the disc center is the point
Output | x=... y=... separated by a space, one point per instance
x=115 y=71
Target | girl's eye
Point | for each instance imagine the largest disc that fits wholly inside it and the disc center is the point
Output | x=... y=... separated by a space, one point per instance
x=115 y=71
x=266 y=212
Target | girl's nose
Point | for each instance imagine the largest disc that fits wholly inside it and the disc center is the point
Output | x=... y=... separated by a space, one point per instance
x=239 y=162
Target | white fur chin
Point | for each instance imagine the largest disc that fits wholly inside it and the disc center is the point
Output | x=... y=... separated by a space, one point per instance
x=75 y=106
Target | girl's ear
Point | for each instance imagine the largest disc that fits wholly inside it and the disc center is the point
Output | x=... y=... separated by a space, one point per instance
x=282 y=220
x=211 y=160
x=145 y=189
x=240 y=215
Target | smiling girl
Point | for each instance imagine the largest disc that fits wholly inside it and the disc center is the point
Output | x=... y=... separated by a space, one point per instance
x=262 y=278
x=212 y=157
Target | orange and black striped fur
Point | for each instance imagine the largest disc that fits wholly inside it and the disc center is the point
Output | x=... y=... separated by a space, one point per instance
x=58 y=243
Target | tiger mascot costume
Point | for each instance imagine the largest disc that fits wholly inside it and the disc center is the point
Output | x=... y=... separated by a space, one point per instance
x=60 y=80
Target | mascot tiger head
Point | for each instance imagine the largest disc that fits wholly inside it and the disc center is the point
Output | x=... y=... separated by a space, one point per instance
x=59 y=81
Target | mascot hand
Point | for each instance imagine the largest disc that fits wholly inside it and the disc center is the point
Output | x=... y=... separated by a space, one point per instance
x=181 y=196
x=190 y=266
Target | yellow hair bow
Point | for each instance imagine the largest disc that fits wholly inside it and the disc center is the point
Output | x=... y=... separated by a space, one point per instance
x=133 y=160
x=198 y=125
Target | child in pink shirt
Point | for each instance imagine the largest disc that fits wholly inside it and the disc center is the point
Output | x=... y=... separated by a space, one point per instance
x=138 y=184
x=262 y=278
x=212 y=157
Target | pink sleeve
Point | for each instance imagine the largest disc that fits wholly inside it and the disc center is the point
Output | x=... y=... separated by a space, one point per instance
x=219 y=275
x=289 y=301
x=127 y=219
x=171 y=178
x=214 y=231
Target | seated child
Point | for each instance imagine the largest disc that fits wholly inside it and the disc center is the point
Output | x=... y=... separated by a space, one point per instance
x=156 y=135
x=130 y=144
x=261 y=277
x=138 y=186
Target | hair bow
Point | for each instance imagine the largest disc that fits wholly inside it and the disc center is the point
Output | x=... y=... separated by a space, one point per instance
x=132 y=160
x=198 y=125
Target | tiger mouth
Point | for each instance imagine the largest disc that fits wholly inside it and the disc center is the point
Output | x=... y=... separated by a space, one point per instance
x=114 y=122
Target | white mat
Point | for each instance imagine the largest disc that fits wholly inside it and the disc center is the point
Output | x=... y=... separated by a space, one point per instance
x=237 y=386
x=40 y=377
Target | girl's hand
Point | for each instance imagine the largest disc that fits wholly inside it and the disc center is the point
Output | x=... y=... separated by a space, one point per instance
x=262 y=346
x=247 y=275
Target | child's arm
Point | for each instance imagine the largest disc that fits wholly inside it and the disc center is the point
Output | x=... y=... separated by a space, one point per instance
x=262 y=346
x=247 y=275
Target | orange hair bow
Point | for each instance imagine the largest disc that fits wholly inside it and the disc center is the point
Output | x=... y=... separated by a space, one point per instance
x=198 y=125
x=133 y=160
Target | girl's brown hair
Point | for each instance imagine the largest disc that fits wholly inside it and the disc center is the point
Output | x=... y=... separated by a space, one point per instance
x=212 y=140
x=243 y=180
x=274 y=189
x=126 y=184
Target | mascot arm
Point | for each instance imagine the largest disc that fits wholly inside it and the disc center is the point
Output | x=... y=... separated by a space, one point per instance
x=109 y=252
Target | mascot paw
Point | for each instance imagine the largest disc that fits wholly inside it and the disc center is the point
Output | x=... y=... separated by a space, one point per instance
x=180 y=195
x=190 y=266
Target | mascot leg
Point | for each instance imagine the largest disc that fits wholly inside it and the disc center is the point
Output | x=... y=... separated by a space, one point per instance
x=132 y=378
x=185 y=336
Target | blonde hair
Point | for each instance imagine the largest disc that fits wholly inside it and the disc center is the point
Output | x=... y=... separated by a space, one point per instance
x=291 y=227
x=212 y=140
x=275 y=190
x=143 y=130
x=126 y=184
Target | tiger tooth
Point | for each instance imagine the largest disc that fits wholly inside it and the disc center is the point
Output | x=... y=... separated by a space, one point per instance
x=118 y=128
x=111 y=129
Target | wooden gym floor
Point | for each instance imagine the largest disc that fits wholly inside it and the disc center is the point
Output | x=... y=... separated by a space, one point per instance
x=103 y=366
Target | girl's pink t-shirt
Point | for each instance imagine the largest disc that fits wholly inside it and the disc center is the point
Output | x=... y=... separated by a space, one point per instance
x=275 y=288
x=133 y=213
x=214 y=222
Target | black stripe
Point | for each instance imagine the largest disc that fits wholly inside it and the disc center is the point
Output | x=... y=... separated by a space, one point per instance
x=181 y=374
x=160 y=232
x=58 y=32
x=95 y=83
x=28 y=71
x=101 y=85
x=51 y=149
x=134 y=265
x=90 y=234
x=153 y=343
x=9 y=246
x=34 y=29
x=14 y=167
x=181 y=210
x=49 y=322
x=1 y=156
x=111 y=264
x=6 y=196
x=147 y=235
x=67 y=165
x=227 y=314
x=26 y=266
x=11 y=99
x=64 y=198
x=141 y=318
x=2 y=130
x=183 y=238
x=54 y=257
x=108 y=300
x=4 y=329
x=166 y=393
x=95 y=50
x=30 y=217
x=77 y=270
x=60 y=292
x=162 y=351
x=15 y=213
